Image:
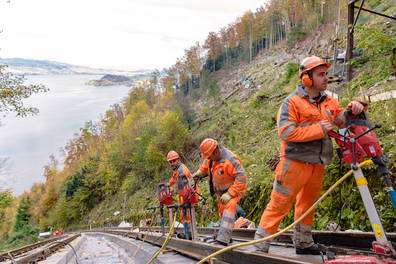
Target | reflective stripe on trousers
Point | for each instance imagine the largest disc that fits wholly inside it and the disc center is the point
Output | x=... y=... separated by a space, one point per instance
x=181 y=213
x=293 y=181
x=227 y=215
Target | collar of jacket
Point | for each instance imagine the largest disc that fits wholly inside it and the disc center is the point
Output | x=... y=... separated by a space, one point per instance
x=301 y=92
x=177 y=167
x=223 y=153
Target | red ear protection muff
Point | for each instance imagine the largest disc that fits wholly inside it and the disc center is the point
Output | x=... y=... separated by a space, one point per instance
x=306 y=80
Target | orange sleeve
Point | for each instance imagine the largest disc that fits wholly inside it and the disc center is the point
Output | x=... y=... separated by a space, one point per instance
x=173 y=179
x=186 y=172
x=290 y=129
x=339 y=114
x=204 y=168
x=235 y=170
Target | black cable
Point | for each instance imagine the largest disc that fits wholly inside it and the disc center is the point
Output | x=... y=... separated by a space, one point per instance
x=68 y=244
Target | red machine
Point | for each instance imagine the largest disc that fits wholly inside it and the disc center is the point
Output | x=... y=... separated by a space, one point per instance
x=362 y=143
x=58 y=232
x=188 y=197
x=165 y=195
x=357 y=142
x=189 y=192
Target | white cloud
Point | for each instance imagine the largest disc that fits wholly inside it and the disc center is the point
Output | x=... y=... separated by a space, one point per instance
x=102 y=33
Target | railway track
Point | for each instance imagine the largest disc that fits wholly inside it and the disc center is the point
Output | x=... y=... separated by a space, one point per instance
x=353 y=240
x=198 y=250
x=37 y=251
x=281 y=251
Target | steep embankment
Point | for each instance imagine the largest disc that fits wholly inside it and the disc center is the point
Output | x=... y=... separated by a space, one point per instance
x=242 y=116
x=247 y=126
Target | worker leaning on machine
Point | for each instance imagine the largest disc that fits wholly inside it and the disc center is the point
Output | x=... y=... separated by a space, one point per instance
x=227 y=180
x=304 y=119
x=182 y=177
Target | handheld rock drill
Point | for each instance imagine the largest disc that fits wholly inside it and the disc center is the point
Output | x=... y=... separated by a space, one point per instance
x=188 y=197
x=165 y=197
x=356 y=142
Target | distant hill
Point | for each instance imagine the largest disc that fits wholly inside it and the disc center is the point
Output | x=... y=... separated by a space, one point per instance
x=38 y=67
x=112 y=79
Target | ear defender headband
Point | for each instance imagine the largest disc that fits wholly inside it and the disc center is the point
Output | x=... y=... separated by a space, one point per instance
x=305 y=78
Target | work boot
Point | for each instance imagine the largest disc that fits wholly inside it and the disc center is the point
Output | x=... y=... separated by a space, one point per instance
x=262 y=246
x=312 y=250
x=221 y=243
x=183 y=235
x=213 y=241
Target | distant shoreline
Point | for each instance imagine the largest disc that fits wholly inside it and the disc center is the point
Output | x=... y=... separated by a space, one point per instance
x=22 y=66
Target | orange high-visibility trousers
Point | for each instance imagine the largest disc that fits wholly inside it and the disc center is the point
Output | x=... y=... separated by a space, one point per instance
x=227 y=215
x=183 y=218
x=293 y=181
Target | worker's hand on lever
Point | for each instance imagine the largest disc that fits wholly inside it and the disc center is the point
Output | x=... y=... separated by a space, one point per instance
x=326 y=125
x=356 y=107
x=197 y=175
x=225 y=198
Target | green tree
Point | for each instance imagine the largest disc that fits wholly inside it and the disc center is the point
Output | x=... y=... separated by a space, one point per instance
x=23 y=215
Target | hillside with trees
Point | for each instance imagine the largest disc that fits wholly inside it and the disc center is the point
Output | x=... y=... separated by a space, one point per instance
x=228 y=88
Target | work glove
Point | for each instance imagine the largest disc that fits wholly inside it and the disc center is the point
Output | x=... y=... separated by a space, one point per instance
x=197 y=175
x=225 y=198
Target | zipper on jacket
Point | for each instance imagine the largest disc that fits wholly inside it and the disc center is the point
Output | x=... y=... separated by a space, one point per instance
x=321 y=141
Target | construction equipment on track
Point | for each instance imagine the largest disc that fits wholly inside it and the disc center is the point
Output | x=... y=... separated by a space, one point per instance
x=357 y=142
x=165 y=197
x=188 y=196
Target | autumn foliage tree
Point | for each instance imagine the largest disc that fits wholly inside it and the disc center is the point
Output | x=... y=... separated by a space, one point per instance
x=13 y=91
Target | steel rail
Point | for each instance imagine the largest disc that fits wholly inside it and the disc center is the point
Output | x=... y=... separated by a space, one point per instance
x=44 y=252
x=360 y=240
x=199 y=250
x=19 y=251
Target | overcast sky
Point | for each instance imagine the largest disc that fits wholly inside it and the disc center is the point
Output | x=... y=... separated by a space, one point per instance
x=124 y=34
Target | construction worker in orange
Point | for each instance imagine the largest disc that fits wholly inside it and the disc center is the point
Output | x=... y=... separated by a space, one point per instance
x=303 y=120
x=227 y=179
x=182 y=177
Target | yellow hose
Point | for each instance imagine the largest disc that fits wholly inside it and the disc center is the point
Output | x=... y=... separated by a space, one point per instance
x=166 y=240
x=364 y=163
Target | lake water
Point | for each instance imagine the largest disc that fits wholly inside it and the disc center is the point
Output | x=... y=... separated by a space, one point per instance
x=28 y=142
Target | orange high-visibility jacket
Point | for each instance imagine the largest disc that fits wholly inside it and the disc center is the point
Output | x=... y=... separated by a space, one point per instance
x=179 y=173
x=227 y=173
x=302 y=137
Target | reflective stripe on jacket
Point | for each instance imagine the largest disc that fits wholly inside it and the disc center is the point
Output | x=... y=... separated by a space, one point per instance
x=228 y=173
x=177 y=177
x=302 y=137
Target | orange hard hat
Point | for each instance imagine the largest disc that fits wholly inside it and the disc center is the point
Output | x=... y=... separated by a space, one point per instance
x=172 y=155
x=311 y=62
x=208 y=145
